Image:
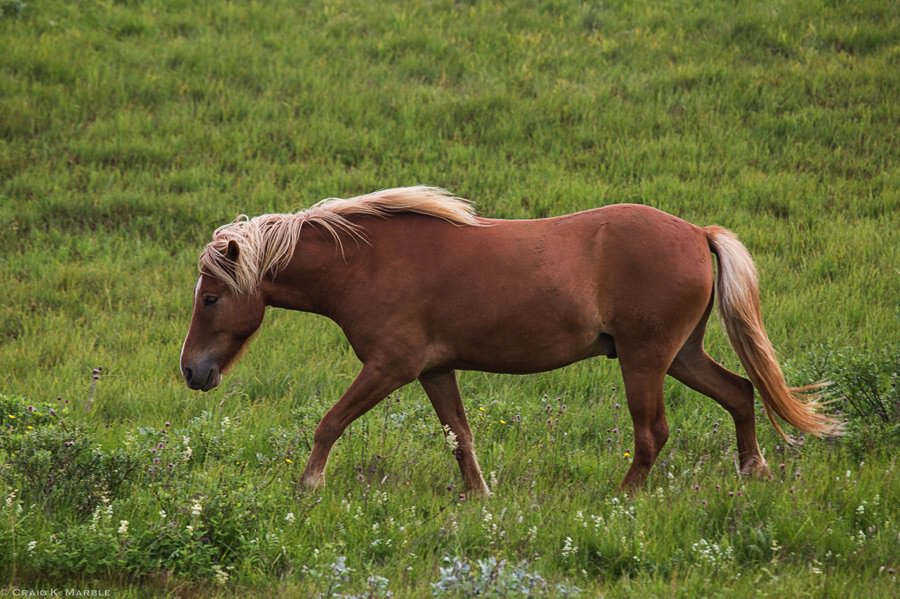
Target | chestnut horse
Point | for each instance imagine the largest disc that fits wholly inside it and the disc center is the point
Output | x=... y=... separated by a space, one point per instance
x=423 y=287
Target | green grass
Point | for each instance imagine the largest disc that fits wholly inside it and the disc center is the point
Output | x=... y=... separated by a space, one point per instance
x=130 y=130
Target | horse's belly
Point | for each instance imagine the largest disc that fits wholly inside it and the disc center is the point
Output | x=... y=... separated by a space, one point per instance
x=524 y=351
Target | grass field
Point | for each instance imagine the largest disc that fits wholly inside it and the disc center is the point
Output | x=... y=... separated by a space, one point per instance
x=130 y=130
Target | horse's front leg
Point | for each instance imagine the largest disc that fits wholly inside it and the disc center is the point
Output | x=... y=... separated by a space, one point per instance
x=443 y=392
x=371 y=386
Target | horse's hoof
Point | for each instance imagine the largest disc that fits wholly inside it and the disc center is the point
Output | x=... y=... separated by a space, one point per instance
x=478 y=493
x=757 y=469
x=310 y=483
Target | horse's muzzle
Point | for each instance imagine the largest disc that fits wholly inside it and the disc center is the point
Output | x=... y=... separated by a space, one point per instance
x=202 y=378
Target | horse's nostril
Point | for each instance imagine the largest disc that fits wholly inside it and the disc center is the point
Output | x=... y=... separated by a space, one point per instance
x=188 y=374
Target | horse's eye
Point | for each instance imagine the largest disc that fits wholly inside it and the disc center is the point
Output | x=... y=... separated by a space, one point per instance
x=209 y=300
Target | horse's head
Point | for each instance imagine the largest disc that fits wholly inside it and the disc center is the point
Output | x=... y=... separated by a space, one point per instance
x=221 y=324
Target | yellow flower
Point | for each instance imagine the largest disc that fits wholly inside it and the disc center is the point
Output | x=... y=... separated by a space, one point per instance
x=29 y=428
x=13 y=416
x=288 y=461
x=627 y=454
x=502 y=421
x=481 y=409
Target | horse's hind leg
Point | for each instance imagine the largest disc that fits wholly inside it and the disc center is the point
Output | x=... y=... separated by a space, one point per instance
x=693 y=367
x=443 y=392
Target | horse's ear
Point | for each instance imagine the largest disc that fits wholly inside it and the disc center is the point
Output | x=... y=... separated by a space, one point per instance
x=232 y=251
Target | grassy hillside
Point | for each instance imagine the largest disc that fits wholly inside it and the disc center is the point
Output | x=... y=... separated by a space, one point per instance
x=130 y=130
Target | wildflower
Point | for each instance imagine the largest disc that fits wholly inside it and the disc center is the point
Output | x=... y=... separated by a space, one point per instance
x=123 y=527
x=340 y=571
x=569 y=548
x=626 y=454
x=162 y=514
x=196 y=509
x=187 y=453
x=221 y=575
x=30 y=547
x=289 y=518
x=288 y=461
x=450 y=438
x=712 y=554
x=190 y=529
x=12 y=416
x=502 y=421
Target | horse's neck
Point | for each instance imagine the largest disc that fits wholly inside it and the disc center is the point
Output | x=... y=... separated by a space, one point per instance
x=313 y=279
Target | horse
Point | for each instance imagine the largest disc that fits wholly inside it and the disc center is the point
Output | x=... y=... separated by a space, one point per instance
x=422 y=287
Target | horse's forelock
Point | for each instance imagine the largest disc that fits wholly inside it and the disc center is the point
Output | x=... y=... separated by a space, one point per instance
x=240 y=273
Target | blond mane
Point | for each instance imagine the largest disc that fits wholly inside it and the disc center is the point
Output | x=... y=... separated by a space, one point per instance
x=266 y=243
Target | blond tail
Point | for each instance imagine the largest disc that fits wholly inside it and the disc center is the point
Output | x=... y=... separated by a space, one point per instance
x=738 y=291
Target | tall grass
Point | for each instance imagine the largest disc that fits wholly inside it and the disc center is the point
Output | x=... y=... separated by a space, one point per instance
x=130 y=130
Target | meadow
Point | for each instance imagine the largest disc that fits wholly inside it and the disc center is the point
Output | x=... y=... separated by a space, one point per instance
x=129 y=130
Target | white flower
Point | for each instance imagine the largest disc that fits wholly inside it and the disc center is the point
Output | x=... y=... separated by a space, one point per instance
x=123 y=527
x=569 y=548
x=30 y=547
x=221 y=575
x=196 y=509
x=289 y=518
x=162 y=514
x=450 y=438
x=189 y=528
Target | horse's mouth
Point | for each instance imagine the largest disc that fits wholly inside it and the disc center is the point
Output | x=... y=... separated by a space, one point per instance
x=213 y=377
x=212 y=381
